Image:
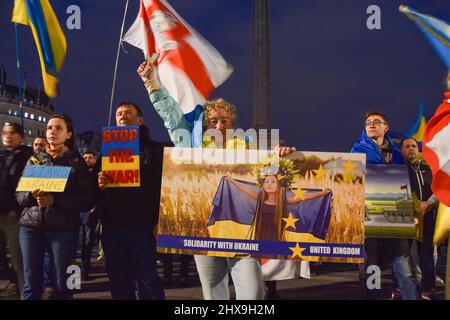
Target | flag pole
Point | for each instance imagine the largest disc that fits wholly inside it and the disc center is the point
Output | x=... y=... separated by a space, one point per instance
x=115 y=67
x=19 y=82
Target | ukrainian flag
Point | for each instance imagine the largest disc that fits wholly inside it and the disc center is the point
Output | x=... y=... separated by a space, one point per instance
x=49 y=37
x=233 y=214
x=436 y=31
x=417 y=131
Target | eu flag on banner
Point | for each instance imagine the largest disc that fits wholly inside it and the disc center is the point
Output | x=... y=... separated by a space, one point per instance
x=49 y=37
x=233 y=214
x=436 y=31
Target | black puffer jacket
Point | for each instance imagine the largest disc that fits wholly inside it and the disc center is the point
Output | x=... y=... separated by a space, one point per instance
x=12 y=163
x=64 y=214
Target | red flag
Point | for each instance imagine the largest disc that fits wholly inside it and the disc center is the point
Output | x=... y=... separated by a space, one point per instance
x=189 y=67
x=436 y=150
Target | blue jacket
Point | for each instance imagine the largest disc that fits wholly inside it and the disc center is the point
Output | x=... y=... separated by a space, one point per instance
x=373 y=154
x=174 y=119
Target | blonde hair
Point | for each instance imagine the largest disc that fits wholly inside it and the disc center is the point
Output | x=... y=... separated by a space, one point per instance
x=219 y=103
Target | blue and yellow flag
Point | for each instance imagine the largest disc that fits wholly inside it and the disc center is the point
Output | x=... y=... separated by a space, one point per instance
x=233 y=215
x=436 y=31
x=417 y=131
x=49 y=37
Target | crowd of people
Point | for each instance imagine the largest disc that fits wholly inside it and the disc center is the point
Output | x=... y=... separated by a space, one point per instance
x=42 y=229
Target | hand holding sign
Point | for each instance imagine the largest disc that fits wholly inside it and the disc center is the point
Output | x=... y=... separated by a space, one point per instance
x=44 y=178
x=120 y=157
x=102 y=180
x=44 y=199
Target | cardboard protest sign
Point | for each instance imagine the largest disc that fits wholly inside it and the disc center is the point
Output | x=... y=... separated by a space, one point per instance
x=307 y=206
x=120 y=156
x=45 y=178
x=389 y=203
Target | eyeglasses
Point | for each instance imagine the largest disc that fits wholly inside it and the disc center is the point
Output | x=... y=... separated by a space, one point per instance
x=375 y=123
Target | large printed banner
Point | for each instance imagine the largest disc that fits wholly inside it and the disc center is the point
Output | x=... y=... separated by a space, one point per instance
x=235 y=203
x=44 y=178
x=389 y=203
x=120 y=156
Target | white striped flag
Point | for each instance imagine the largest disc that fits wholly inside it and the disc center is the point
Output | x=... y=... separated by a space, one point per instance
x=188 y=66
x=436 y=150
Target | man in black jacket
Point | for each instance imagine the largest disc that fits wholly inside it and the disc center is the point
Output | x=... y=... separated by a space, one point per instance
x=420 y=177
x=13 y=157
x=89 y=219
x=129 y=217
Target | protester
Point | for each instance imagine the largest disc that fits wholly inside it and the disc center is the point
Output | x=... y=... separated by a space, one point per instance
x=220 y=115
x=13 y=157
x=129 y=216
x=39 y=144
x=379 y=148
x=54 y=217
x=89 y=220
x=420 y=177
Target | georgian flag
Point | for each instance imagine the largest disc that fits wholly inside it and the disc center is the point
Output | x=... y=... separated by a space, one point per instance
x=188 y=66
x=436 y=150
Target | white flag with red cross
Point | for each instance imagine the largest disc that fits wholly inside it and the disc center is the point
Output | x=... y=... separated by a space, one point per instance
x=436 y=150
x=188 y=66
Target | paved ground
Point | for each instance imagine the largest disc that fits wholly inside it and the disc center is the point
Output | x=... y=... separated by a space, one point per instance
x=328 y=282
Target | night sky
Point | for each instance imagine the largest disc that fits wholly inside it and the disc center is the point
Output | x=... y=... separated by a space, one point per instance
x=327 y=68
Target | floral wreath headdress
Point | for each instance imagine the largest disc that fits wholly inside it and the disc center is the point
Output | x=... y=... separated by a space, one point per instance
x=272 y=165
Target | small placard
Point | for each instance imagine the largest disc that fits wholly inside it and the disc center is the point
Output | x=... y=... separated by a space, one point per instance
x=120 y=156
x=44 y=178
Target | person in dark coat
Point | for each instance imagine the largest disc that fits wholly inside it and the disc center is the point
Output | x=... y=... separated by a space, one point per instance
x=53 y=217
x=129 y=218
x=13 y=157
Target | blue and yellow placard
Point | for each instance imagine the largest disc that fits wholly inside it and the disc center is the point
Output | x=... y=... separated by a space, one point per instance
x=120 y=156
x=44 y=178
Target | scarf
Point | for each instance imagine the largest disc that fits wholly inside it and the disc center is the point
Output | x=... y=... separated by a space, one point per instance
x=56 y=152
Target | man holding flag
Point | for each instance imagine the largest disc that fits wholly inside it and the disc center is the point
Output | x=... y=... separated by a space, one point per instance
x=189 y=68
x=219 y=116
